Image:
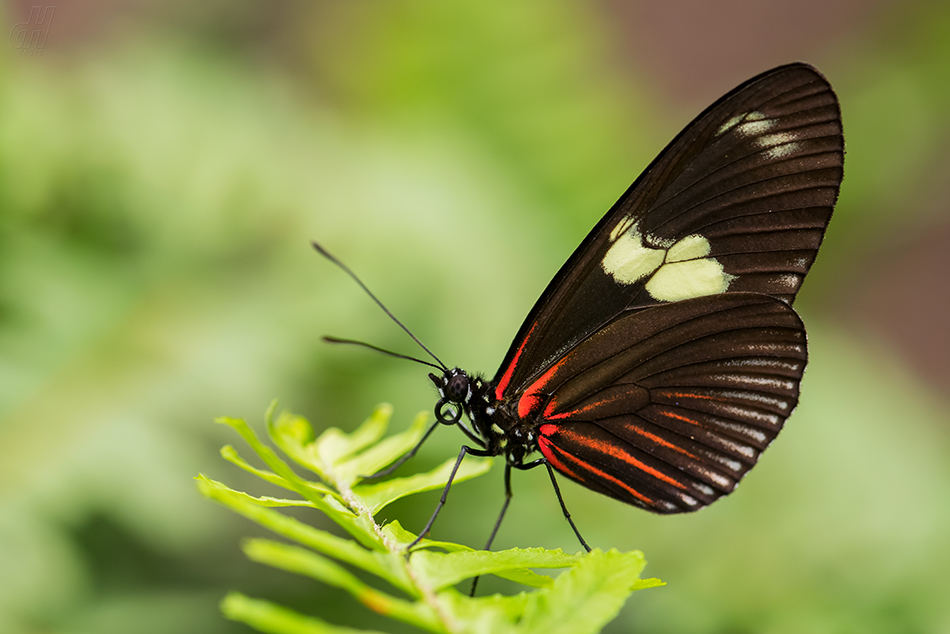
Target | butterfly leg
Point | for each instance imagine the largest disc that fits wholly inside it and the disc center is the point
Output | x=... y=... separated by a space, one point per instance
x=557 y=492
x=445 y=492
x=382 y=473
x=501 y=516
x=504 y=507
x=560 y=500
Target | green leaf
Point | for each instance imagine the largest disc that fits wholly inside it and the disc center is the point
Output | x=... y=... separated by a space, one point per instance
x=334 y=445
x=304 y=562
x=643 y=584
x=362 y=529
x=495 y=614
x=383 y=454
x=446 y=569
x=231 y=455
x=291 y=528
x=586 y=594
x=381 y=494
x=274 y=619
x=586 y=597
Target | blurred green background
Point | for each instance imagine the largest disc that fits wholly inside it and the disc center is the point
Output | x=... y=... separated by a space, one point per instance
x=164 y=165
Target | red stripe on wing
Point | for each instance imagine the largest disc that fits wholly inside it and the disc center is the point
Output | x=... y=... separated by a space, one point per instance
x=506 y=377
x=605 y=448
x=660 y=441
x=547 y=448
x=532 y=396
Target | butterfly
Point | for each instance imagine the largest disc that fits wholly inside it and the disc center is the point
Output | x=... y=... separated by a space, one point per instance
x=665 y=355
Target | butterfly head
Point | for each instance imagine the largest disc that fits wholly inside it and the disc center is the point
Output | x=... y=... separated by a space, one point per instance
x=455 y=388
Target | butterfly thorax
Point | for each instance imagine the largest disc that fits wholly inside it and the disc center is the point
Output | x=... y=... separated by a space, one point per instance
x=496 y=429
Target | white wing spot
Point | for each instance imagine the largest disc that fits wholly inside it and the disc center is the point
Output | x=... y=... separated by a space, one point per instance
x=755 y=124
x=781 y=151
x=677 y=269
x=753 y=362
x=761 y=381
x=628 y=259
x=789 y=281
x=625 y=223
x=771 y=140
x=756 y=397
x=688 y=499
x=733 y=465
x=746 y=451
x=728 y=125
x=689 y=248
x=778 y=349
x=750 y=414
x=684 y=280
x=718 y=478
x=778 y=145
x=749 y=432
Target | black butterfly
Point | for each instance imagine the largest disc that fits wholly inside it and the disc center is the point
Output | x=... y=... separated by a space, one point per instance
x=665 y=356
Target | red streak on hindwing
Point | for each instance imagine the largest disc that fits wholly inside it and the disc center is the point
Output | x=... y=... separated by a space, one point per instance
x=548 y=449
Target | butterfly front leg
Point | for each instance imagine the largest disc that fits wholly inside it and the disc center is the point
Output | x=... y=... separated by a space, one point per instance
x=466 y=450
x=557 y=491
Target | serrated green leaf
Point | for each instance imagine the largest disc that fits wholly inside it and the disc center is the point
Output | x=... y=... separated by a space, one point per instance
x=440 y=570
x=379 y=495
x=401 y=538
x=579 y=600
x=643 y=584
x=291 y=528
x=270 y=458
x=585 y=598
x=382 y=454
x=293 y=426
x=495 y=614
x=286 y=432
x=231 y=455
x=334 y=446
x=362 y=528
x=270 y=502
x=305 y=562
x=269 y=617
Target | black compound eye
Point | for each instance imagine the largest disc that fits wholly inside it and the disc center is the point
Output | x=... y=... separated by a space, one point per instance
x=457 y=388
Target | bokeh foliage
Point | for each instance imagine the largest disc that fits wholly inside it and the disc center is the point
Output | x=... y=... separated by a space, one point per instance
x=158 y=189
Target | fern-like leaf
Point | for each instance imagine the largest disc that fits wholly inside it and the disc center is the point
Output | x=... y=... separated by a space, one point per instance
x=421 y=591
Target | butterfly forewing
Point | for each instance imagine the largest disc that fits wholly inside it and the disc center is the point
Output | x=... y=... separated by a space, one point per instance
x=737 y=202
x=668 y=406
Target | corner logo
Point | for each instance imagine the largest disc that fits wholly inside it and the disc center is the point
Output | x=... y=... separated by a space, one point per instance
x=30 y=36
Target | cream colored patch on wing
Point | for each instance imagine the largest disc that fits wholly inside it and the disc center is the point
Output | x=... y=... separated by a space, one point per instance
x=676 y=281
x=730 y=124
x=677 y=270
x=755 y=124
x=689 y=248
x=625 y=223
x=778 y=145
x=629 y=260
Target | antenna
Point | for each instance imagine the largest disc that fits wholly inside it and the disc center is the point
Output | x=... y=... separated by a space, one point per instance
x=384 y=351
x=347 y=270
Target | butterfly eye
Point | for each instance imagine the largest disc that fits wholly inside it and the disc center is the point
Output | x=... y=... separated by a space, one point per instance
x=457 y=389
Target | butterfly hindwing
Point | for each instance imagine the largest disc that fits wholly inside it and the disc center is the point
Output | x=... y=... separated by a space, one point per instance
x=737 y=202
x=669 y=406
